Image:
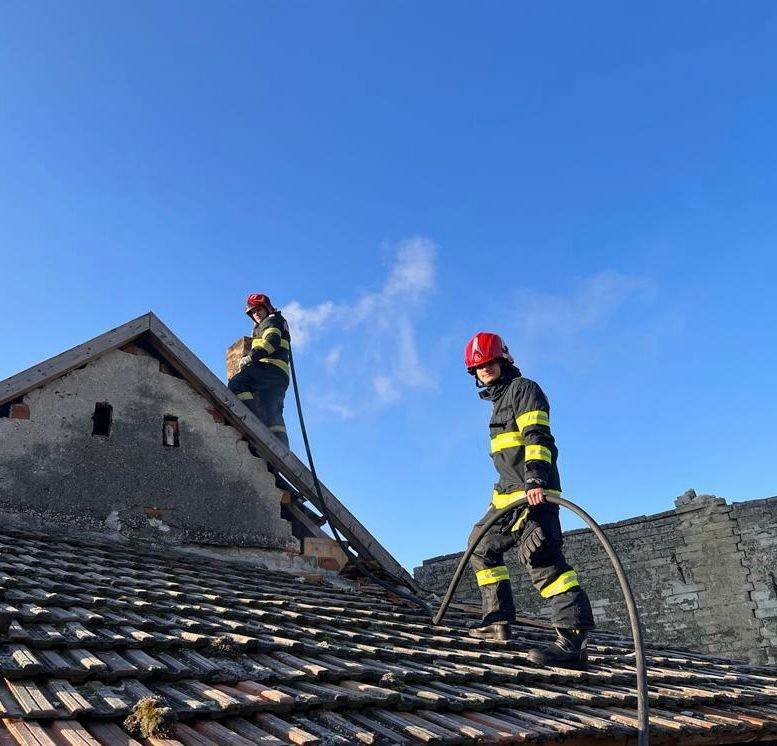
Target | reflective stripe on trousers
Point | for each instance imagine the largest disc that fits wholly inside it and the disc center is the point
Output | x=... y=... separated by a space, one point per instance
x=489 y=575
x=561 y=584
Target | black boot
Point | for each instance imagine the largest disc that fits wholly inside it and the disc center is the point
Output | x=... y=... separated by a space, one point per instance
x=566 y=651
x=493 y=631
x=494 y=626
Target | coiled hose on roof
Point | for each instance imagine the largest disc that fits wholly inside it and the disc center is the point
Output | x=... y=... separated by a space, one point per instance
x=643 y=716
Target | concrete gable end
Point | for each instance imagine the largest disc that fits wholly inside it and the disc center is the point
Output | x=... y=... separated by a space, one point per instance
x=209 y=489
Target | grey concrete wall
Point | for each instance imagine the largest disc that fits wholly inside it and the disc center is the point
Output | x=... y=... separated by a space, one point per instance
x=703 y=576
x=209 y=490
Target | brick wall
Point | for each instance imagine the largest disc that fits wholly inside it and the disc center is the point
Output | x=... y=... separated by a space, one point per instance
x=702 y=574
x=234 y=353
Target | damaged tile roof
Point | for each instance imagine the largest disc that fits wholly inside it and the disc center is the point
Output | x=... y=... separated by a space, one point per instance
x=242 y=655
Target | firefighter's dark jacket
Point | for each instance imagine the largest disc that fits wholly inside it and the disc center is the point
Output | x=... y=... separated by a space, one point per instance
x=270 y=342
x=523 y=449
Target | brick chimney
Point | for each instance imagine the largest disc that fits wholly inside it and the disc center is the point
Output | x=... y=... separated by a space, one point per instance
x=234 y=352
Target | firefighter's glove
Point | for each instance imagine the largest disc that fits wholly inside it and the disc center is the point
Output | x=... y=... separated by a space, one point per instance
x=530 y=544
x=245 y=360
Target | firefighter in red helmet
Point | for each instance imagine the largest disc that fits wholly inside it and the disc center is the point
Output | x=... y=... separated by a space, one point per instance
x=525 y=457
x=263 y=378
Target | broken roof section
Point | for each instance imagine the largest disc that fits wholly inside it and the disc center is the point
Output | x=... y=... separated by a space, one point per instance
x=239 y=655
x=149 y=330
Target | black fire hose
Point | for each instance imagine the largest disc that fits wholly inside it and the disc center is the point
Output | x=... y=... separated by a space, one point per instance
x=643 y=721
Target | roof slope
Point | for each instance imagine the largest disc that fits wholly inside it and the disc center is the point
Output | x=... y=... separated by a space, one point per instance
x=154 y=333
x=243 y=655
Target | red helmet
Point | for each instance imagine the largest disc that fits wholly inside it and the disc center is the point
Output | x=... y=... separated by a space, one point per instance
x=258 y=299
x=483 y=348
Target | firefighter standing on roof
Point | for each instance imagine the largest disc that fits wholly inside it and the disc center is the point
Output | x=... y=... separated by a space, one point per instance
x=264 y=373
x=525 y=456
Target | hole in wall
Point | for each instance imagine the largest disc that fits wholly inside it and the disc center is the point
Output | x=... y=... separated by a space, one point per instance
x=5 y=409
x=170 y=433
x=102 y=419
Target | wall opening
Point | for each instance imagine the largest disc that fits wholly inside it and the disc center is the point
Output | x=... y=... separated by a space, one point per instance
x=102 y=419
x=170 y=433
x=6 y=410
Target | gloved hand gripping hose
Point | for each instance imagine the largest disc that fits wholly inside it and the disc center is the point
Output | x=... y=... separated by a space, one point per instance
x=643 y=720
x=396 y=590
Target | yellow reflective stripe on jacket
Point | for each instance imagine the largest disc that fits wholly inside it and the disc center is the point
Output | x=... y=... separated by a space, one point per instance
x=503 y=500
x=538 y=453
x=505 y=440
x=262 y=341
x=562 y=583
x=284 y=366
x=285 y=344
x=271 y=330
x=245 y=395
x=491 y=575
x=537 y=417
x=278 y=428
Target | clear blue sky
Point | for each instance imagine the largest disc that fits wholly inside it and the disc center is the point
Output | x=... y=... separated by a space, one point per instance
x=597 y=182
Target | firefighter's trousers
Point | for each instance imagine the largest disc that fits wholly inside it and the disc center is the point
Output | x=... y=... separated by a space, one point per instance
x=262 y=388
x=536 y=532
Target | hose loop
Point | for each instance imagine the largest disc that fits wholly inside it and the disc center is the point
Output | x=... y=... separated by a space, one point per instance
x=643 y=715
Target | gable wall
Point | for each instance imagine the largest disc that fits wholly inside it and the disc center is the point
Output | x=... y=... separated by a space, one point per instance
x=209 y=490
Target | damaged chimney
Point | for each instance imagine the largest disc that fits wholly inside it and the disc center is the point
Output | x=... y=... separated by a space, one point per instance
x=236 y=351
